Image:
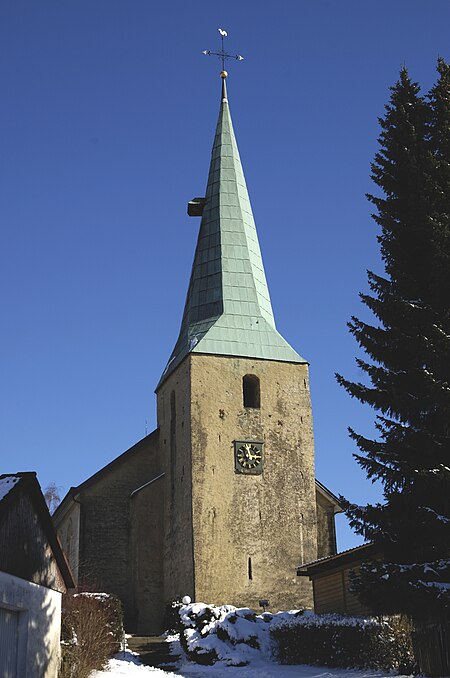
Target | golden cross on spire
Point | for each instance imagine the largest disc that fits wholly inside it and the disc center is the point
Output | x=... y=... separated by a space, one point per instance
x=223 y=56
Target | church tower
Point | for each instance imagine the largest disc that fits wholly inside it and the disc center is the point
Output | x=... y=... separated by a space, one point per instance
x=234 y=417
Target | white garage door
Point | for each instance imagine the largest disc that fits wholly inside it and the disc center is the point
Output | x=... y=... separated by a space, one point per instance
x=9 y=635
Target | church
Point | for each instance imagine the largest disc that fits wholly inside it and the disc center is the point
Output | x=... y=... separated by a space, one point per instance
x=220 y=502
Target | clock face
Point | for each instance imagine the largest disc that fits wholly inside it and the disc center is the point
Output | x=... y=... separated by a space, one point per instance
x=248 y=457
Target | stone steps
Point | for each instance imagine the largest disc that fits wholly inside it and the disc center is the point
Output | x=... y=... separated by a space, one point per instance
x=153 y=651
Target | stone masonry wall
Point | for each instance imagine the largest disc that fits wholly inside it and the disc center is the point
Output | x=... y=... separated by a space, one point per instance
x=251 y=532
x=326 y=533
x=147 y=547
x=105 y=548
x=174 y=421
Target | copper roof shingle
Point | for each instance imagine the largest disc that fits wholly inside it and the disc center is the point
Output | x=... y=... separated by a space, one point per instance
x=228 y=309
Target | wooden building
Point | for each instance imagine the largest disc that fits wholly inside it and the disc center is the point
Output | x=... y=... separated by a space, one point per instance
x=331 y=580
x=33 y=576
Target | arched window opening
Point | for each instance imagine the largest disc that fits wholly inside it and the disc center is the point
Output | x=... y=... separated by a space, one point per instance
x=251 y=391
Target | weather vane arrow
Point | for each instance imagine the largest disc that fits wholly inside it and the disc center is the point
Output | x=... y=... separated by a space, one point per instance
x=223 y=56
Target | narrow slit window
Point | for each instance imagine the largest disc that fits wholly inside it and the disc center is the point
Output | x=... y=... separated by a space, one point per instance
x=250 y=573
x=251 y=391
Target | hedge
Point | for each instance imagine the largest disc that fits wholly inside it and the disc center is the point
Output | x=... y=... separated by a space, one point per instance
x=347 y=642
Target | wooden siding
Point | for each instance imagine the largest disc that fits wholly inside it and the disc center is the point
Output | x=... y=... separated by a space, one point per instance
x=352 y=603
x=331 y=593
x=431 y=642
x=24 y=548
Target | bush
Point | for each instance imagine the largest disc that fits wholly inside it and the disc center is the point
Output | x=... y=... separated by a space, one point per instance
x=91 y=633
x=224 y=633
x=211 y=633
x=346 y=642
x=171 y=619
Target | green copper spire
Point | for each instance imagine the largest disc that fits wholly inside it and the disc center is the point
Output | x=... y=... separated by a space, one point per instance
x=228 y=309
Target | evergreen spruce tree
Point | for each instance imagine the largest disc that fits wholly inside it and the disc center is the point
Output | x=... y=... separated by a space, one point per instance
x=408 y=348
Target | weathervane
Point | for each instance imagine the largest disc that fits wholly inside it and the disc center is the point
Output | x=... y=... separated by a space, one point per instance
x=222 y=54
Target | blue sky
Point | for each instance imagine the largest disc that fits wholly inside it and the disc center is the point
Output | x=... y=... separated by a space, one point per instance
x=107 y=116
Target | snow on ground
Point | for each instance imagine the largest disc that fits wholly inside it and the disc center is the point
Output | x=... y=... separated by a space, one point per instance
x=265 y=668
x=127 y=665
x=202 y=624
x=269 y=670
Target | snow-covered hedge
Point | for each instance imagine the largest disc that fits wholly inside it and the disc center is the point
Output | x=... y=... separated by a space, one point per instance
x=238 y=636
x=91 y=632
x=225 y=633
x=341 y=641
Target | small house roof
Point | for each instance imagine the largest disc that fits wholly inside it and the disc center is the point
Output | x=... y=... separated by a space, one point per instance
x=344 y=558
x=11 y=486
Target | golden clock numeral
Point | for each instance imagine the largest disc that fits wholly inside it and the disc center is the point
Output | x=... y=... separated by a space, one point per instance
x=249 y=457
